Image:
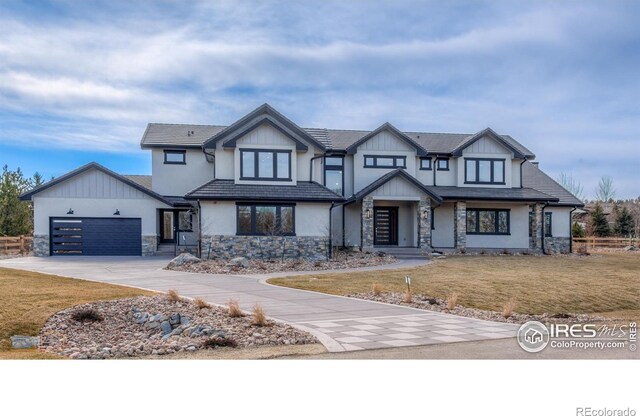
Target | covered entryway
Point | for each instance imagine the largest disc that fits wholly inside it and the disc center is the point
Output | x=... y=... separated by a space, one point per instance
x=385 y=226
x=95 y=236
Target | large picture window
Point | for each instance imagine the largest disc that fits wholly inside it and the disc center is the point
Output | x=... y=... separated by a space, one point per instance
x=488 y=221
x=271 y=165
x=334 y=174
x=485 y=171
x=257 y=219
x=385 y=162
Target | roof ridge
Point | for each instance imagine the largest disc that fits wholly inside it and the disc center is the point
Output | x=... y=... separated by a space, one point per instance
x=188 y=124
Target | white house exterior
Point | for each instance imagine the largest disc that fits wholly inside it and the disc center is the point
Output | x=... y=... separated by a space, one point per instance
x=265 y=187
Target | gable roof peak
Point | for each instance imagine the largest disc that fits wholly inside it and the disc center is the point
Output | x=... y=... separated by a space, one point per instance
x=421 y=151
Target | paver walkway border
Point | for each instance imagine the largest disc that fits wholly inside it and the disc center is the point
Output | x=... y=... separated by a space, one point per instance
x=340 y=323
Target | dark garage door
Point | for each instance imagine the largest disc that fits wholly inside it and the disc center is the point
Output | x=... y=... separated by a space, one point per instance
x=96 y=236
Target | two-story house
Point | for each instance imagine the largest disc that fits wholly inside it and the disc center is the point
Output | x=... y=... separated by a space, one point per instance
x=266 y=187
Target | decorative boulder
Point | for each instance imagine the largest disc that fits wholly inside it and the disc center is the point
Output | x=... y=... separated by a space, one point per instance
x=184 y=258
x=240 y=262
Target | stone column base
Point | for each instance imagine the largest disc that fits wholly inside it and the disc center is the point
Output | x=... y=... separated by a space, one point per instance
x=41 y=247
x=557 y=245
x=149 y=245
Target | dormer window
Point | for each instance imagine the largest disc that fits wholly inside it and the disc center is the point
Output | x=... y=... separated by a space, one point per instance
x=265 y=165
x=385 y=162
x=484 y=171
x=425 y=164
x=175 y=157
x=443 y=164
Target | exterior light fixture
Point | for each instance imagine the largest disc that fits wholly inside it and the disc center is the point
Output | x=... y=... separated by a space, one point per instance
x=117 y=212
x=367 y=213
x=425 y=215
x=70 y=212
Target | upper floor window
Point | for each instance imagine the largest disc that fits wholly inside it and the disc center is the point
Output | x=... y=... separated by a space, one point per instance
x=385 y=162
x=442 y=164
x=271 y=165
x=258 y=219
x=175 y=157
x=488 y=221
x=487 y=171
x=334 y=174
x=425 y=164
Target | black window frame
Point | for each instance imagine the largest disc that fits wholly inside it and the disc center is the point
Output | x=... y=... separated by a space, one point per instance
x=491 y=161
x=497 y=221
x=175 y=152
x=426 y=159
x=333 y=168
x=433 y=218
x=253 y=206
x=444 y=159
x=549 y=232
x=256 y=167
x=395 y=161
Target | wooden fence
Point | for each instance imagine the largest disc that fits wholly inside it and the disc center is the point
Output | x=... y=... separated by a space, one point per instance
x=15 y=245
x=604 y=242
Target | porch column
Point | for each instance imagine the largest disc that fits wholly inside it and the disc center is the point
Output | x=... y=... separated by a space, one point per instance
x=460 y=225
x=424 y=223
x=535 y=242
x=367 y=223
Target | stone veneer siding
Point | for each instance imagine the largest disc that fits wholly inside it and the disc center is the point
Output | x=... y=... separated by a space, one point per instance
x=265 y=247
x=424 y=221
x=460 y=225
x=535 y=240
x=41 y=246
x=557 y=245
x=149 y=245
x=367 y=223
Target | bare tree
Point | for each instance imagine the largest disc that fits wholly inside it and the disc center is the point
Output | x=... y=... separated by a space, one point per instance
x=605 y=191
x=572 y=185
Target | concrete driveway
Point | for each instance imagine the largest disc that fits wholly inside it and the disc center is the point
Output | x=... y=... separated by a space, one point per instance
x=340 y=323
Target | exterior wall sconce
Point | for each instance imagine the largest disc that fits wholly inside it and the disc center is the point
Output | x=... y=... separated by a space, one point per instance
x=117 y=212
x=70 y=212
x=425 y=215
x=367 y=213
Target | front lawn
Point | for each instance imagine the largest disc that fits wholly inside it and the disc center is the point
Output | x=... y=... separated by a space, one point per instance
x=605 y=283
x=28 y=299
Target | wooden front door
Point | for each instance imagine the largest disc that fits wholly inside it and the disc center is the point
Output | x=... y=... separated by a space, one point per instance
x=385 y=226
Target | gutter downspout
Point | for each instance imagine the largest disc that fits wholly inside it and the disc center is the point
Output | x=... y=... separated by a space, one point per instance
x=199 y=229
x=571 y=229
x=522 y=163
x=333 y=205
x=543 y=233
x=213 y=156
x=435 y=163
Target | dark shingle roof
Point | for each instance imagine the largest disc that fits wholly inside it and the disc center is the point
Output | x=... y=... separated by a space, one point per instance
x=493 y=194
x=226 y=189
x=185 y=135
x=533 y=177
x=142 y=180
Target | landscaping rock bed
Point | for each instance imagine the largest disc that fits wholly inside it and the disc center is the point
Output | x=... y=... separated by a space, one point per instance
x=156 y=325
x=440 y=305
x=241 y=265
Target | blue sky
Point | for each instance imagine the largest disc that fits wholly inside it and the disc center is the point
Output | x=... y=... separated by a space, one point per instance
x=79 y=81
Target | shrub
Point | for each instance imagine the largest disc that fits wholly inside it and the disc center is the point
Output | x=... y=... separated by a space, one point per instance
x=87 y=315
x=407 y=297
x=173 y=296
x=234 y=309
x=505 y=252
x=507 y=311
x=259 y=318
x=452 y=301
x=582 y=249
x=215 y=342
x=377 y=289
x=201 y=303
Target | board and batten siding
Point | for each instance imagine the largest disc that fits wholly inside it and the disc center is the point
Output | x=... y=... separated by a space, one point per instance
x=488 y=148
x=384 y=141
x=486 y=145
x=397 y=188
x=93 y=184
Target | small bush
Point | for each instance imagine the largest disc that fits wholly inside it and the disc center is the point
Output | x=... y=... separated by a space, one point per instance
x=87 y=315
x=376 y=289
x=452 y=301
x=259 y=318
x=463 y=251
x=505 y=252
x=173 y=296
x=215 y=342
x=234 y=309
x=201 y=303
x=582 y=250
x=507 y=311
x=407 y=297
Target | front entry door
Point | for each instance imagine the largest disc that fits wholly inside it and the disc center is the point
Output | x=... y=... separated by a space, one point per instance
x=167 y=227
x=385 y=226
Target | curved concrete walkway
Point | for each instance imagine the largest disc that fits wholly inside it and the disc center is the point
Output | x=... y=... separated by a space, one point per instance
x=340 y=323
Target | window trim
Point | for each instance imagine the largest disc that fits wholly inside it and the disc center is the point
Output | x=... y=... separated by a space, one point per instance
x=395 y=162
x=177 y=152
x=426 y=159
x=252 y=206
x=333 y=168
x=544 y=223
x=497 y=221
x=256 y=167
x=444 y=159
x=485 y=159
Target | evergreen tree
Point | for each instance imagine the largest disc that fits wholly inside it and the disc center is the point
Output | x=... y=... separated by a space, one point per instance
x=624 y=223
x=37 y=180
x=15 y=215
x=599 y=224
x=577 y=231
